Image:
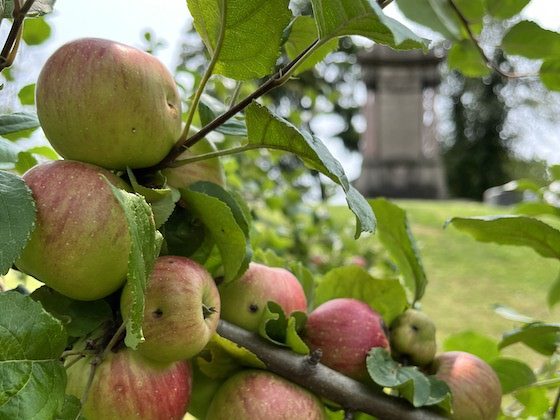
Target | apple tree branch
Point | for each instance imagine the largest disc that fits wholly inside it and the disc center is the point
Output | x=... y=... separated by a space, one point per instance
x=351 y=395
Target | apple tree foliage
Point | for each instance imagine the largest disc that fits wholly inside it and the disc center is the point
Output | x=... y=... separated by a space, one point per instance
x=244 y=40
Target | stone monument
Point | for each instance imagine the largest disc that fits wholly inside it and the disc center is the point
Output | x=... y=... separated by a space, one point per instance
x=399 y=147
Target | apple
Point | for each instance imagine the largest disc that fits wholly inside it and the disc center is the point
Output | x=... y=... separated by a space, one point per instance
x=475 y=387
x=209 y=170
x=345 y=330
x=413 y=338
x=258 y=394
x=244 y=299
x=181 y=312
x=106 y=103
x=128 y=386
x=80 y=243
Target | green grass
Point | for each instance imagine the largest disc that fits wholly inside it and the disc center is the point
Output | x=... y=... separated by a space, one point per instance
x=466 y=278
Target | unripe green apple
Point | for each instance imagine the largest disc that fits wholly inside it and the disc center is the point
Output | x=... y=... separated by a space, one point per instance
x=345 y=330
x=413 y=338
x=109 y=104
x=181 y=311
x=80 y=243
x=210 y=170
x=258 y=394
x=244 y=299
x=475 y=388
x=126 y=386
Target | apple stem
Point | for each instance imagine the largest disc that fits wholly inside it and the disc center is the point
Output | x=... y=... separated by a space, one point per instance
x=325 y=382
x=95 y=362
x=315 y=357
x=207 y=311
x=82 y=353
x=114 y=340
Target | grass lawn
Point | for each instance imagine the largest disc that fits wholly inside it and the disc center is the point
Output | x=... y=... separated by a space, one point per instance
x=466 y=278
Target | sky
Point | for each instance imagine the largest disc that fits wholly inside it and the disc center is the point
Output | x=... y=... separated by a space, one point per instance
x=118 y=20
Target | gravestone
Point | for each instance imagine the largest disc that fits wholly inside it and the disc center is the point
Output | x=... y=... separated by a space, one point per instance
x=399 y=147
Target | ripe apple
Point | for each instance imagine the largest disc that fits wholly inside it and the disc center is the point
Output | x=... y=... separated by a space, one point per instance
x=244 y=299
x=210 y=170
x=182 y=309
x=413 y=338
x=109 y=104
x=258 y=394
x=128 y=386
x=345 y=330
x=475 y=387
x=80 y=243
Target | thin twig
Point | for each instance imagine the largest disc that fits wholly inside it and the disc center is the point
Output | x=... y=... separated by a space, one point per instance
x=12 y=41
x=95 y=362
x=278 y=79
x=352 y=395
x=489 y=63
x=206 y=77
x=72 y=362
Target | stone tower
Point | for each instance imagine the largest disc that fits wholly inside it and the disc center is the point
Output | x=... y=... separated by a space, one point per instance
x=399 y=147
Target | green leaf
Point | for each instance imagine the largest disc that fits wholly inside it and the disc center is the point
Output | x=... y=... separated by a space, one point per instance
x=17 y=218
x=36 y=31
x=386 y=296
x=32 y=377
x=535 y=401
x=465 y=57
x=184 y=233
x=303 y=32
x=70 y=409
x=550 y=73
x=222 y=357
x=278 y=329
x=553 y=295
x=512 y=230
x=395 y=235
x=9 y=152
x=268 y=130
x=226 y=223
x=161 y=200
x=26 y=95
x=472 y=342
x=541 y=337
x=78 y=317
x=408 y=380
x=252 y=38
x=25 y=162
x=144 y=249
x=529 y=40
x=44 y=151
x=209 y=109
x=17 y=122
x=434 y=14
x=513 y=374
x=511 y=314
x=336 y=18
x=505 y=9
x=472 y=10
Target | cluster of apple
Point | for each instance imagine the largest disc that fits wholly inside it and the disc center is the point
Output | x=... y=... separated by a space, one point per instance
x=106 y=107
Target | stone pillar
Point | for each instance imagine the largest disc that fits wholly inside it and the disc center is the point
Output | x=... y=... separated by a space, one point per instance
x=399 y=147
